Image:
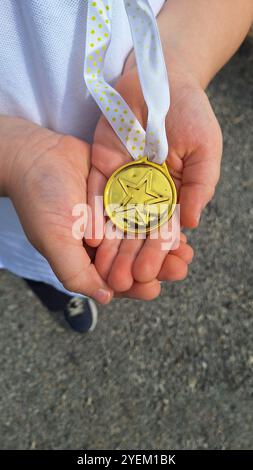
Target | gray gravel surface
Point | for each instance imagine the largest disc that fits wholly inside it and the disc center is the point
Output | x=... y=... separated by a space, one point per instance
x=172 y=373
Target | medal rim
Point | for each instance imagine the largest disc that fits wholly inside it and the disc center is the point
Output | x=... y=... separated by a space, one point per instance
x=148 y=163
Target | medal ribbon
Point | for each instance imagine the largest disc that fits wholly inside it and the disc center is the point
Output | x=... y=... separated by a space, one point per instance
x=152 y=74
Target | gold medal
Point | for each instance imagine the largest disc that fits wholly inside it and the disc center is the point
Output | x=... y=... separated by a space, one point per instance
x=140 y=196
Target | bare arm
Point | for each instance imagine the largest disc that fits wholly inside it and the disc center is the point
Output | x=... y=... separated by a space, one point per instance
x=204 y=34
x=14 y=133
x=200 y=36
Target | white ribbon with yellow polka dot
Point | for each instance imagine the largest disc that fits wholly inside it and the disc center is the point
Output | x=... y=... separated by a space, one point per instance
x=152 y=74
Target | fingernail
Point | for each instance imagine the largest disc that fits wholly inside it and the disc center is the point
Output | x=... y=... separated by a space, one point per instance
x=102 y=296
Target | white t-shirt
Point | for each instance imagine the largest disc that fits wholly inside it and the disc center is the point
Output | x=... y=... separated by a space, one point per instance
x=41 y=61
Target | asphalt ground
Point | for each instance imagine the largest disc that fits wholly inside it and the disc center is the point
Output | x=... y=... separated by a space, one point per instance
x=175 y=373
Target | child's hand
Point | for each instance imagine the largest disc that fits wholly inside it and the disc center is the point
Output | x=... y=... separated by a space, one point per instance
x=47 y=178
x=195 y=150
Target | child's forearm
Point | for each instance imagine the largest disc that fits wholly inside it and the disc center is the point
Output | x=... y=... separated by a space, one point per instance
x=200 y=36
x=203 y=34
x=14 y=134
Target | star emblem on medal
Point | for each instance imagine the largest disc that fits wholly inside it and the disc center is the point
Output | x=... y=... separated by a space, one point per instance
x=139 y=197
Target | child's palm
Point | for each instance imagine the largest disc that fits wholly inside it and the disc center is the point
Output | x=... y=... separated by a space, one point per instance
x=48 y=179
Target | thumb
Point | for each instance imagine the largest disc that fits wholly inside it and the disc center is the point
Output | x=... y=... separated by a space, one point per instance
x=201 y=174
x=73 y=267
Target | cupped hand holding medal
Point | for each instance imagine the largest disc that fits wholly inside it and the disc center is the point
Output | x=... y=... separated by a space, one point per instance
x=123 y=261
x=194 y=158
x=189 y=125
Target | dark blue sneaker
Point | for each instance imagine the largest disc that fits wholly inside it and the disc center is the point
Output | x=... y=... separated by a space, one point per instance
x=81 y=314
